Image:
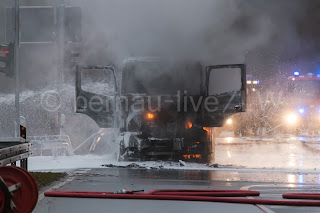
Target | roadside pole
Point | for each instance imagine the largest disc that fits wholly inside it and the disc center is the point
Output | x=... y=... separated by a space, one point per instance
x=16 y=66
x=61 y=47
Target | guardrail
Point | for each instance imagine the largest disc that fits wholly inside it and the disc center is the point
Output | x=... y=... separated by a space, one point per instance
x=58 y=144
x=54 y=144
x=11 y=152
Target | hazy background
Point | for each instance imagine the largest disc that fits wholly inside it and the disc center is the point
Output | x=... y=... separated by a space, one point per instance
x=274 y=38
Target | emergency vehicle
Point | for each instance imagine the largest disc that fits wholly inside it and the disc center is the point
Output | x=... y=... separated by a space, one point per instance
x=302 y=103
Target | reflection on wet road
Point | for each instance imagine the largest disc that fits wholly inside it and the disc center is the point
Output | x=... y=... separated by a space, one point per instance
x=271 y=185
x=274 y=153
x=292 y=179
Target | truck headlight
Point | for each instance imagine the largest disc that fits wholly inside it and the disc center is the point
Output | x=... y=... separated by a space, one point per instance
x=292 y=119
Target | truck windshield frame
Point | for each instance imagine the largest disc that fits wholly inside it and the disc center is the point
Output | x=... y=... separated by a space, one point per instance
x=161 y=78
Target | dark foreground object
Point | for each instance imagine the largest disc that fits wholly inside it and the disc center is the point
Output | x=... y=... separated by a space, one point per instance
x=19 y=190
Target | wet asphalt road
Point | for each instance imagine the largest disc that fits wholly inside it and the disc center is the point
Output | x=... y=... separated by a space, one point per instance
x=270 y=184
x=272 y=153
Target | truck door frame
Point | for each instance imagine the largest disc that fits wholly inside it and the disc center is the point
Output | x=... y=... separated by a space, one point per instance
x=80 y=93
x=218 y=117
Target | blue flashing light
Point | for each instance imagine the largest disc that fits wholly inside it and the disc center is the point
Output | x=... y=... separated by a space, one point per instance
x=318 y=71
x=296 y=73
x=258 y=82
x=301 y=110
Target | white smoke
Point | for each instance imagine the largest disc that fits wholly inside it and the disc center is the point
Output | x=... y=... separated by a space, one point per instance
x=211 y=31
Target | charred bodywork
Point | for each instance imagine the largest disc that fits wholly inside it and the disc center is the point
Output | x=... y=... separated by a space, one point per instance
x=162 y=107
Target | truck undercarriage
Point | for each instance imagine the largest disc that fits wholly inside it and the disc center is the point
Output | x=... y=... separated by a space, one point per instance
x=194 y=145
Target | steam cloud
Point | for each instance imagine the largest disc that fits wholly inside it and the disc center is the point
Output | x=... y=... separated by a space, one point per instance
x=211 y=31
x=219 y=31
x=214 y=32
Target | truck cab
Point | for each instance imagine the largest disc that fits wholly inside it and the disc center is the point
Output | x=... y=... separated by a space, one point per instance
x=162 y=107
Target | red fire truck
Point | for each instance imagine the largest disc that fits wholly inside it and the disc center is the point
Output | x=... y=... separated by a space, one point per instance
x=301 y=111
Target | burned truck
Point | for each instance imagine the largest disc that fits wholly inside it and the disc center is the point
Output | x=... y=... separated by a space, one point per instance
x=163 y=108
